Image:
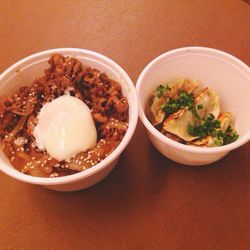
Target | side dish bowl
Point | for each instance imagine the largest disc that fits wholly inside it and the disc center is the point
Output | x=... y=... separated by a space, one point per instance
x=224 y=73
x=25 y=71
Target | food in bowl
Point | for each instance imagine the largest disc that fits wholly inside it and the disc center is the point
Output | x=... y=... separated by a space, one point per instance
x=66 y=121
x=183 y=111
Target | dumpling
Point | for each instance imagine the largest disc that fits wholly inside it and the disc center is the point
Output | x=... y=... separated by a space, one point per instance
x=155 y=113
x=226 y=119
x=205 y=142
x=182 y=83
x=172 y=136
x=190 y=86
x=208 y=100
x=178 y=123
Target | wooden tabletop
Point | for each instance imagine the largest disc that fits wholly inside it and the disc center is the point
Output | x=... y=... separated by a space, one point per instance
x=148 y=201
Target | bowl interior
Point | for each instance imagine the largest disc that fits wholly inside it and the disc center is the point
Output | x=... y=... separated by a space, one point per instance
x=228 y=76
x=27 y=70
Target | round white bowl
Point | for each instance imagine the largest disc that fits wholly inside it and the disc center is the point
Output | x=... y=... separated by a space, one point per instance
x=224 y=73
x=26 y=70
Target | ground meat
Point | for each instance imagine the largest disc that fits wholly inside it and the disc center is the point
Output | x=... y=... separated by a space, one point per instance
x=65 y=75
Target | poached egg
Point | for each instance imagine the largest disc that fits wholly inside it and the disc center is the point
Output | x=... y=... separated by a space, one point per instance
x=65 y=128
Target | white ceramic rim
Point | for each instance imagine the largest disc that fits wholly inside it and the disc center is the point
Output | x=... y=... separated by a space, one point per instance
x=133 y=118
x=244 y=139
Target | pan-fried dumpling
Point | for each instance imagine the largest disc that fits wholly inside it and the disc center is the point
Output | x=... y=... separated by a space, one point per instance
x=185 y=113
x=209 y=101
x=226 y=119
x=172 y=136
x=178 y=122
x=155 y=113
x=205 y=142
x=190 y=86
x=182 y=83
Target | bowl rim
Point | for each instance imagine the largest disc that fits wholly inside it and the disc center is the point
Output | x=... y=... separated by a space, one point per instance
x=225 y=148
x=133 y=118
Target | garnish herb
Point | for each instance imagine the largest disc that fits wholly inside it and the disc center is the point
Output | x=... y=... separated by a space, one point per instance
x=184 y=100
x=161 y=89
x=207 y=127
x=211 y=126
x=200 y=106
x=226 y=138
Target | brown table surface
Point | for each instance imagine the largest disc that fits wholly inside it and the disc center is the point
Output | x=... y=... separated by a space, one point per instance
x=148 y=201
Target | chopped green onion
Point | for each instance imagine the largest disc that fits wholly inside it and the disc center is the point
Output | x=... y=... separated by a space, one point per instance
x=200 y=106
x=184 y=100
x=211 y=126
x=160 y=90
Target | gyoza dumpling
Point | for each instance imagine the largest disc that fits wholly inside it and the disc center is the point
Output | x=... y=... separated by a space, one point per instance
x=209 y=101
x=182 y=83
x=155 y=113
x=205 y=142
x=178 y=122
x=226 y=119
x=190 y=86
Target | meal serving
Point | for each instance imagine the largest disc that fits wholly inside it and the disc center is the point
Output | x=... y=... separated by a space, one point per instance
x=66 y=121
x=185 y=112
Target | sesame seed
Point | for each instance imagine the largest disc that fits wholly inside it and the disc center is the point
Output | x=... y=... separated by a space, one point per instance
x=53 y=175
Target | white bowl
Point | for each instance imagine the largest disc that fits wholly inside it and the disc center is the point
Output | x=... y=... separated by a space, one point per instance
x=32 y=67
x=226 y=74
